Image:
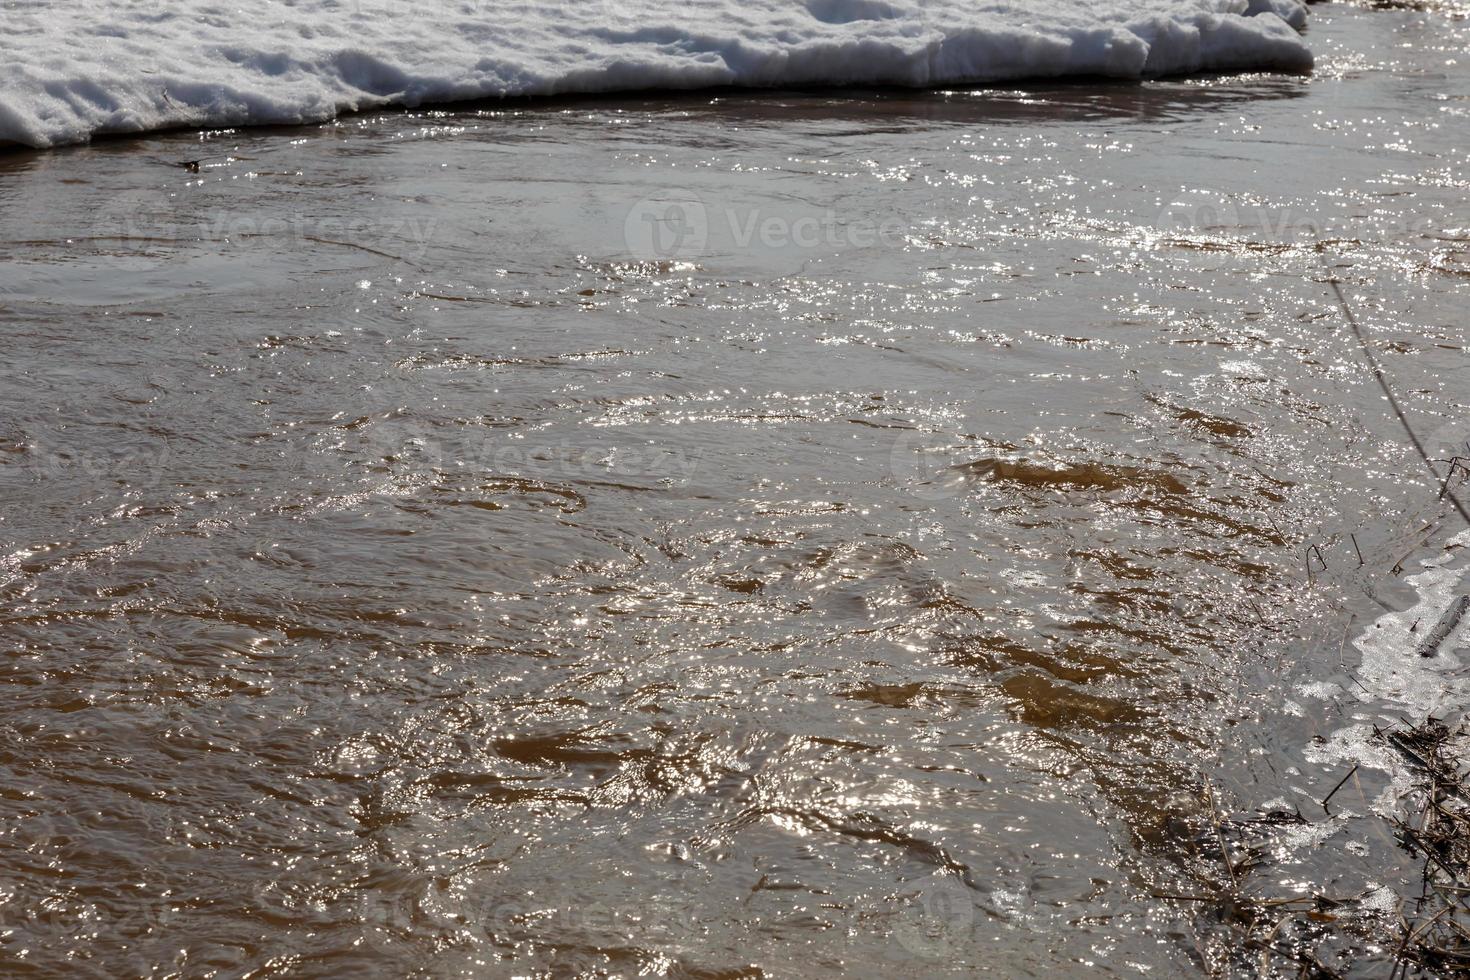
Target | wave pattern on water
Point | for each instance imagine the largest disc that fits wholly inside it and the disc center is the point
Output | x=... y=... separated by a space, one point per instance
x=401 y=571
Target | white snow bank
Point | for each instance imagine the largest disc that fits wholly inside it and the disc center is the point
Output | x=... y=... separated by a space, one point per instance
x=73 y=68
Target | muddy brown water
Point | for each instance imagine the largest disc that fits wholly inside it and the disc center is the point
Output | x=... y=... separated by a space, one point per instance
x=773 y=535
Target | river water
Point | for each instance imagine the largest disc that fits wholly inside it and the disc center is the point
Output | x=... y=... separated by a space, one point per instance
x=774 y=535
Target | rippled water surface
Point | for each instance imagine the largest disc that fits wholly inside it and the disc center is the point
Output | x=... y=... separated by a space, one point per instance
x=734 y=536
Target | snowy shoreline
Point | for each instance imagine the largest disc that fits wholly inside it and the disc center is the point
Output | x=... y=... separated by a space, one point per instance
x=126 y=67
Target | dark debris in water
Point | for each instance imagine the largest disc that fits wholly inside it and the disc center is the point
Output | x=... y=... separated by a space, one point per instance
x=1242 y=929
x=1435 y=827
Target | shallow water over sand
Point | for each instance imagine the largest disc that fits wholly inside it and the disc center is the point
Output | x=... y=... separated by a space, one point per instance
x=718 y=536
